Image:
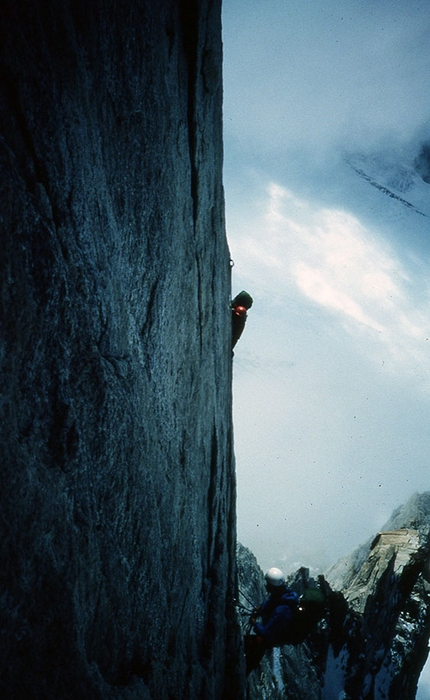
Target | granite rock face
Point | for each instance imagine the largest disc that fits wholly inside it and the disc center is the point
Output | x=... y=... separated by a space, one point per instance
x=373 y=642
x=117 y=477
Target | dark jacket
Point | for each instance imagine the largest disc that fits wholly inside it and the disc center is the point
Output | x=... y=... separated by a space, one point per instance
x=239 y=306
x=277 y=613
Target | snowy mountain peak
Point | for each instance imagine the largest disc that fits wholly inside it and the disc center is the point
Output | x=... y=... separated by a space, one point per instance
x=407 y=183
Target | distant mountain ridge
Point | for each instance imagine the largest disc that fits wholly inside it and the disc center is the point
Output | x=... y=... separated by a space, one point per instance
x=408 y=183
x=414 y=514
x=387 y=191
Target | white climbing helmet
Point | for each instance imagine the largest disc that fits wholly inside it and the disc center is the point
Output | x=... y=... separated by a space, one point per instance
x=275 y=577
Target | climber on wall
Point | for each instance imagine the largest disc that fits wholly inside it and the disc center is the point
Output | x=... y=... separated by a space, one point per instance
x=276 y=611
x=239 y=307
x=277 y=614
x=286 y=618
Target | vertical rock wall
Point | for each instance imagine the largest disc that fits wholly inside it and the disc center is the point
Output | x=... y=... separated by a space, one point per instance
x=117 y=486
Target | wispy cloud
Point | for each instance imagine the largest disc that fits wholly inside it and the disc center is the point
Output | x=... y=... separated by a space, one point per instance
x=330 y=259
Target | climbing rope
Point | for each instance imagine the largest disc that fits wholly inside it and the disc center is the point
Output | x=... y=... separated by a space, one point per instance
x=247 y=599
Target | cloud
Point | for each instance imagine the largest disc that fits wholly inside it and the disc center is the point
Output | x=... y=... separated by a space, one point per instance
x=331 y=379
x=313 y=76
x=327 y=258
x=317 y=287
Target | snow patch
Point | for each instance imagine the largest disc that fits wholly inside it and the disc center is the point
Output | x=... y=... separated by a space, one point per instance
x=334 y=677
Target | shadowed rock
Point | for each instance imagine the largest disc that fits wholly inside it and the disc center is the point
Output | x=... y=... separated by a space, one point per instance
x=117 y=481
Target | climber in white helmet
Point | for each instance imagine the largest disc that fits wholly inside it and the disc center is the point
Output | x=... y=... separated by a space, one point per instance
x=277 y=611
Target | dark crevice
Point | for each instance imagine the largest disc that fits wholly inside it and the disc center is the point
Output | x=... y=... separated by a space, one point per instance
x=33 y=169
x=189 y=16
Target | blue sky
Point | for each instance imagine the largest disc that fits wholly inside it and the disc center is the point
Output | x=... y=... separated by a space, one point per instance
x=332 y=374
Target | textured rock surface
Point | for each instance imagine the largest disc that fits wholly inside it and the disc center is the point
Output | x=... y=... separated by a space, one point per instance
x=117 y=498
x=374 y=642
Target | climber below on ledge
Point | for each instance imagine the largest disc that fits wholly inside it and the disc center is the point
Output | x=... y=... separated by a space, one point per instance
x=276 y=611
x=277 y=614
x=239 y=307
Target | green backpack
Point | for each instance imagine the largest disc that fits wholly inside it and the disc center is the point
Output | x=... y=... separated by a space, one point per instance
x=310 y=610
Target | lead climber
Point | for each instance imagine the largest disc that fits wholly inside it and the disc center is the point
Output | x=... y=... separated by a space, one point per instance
x=277 y=614
x=239 y=306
